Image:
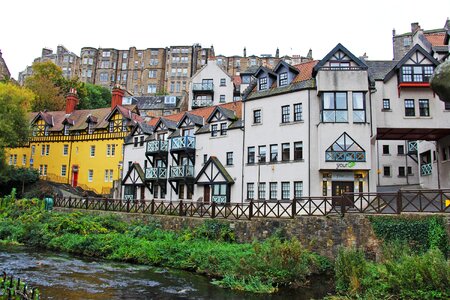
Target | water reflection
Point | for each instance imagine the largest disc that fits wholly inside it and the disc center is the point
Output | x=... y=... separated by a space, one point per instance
x=64 y=276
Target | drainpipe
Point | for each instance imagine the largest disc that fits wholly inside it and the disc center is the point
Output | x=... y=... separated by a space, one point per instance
x=309 y=143
x=378 y=163
x=437 y=164
x=70 y=177
x=243 y=152
x=406 y=162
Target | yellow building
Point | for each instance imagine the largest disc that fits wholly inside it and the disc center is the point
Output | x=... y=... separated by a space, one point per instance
x=78 y=147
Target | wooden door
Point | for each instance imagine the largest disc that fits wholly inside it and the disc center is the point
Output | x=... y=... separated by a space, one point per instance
x=206 y=193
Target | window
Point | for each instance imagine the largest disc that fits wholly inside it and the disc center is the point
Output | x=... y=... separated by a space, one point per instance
x=387 y=171
x=103 y=77
x=410 y=171
x=283 y=79
x=250 y=190
x=385 y=149
x=63 y=170
x=135 y=141
x=251 y=155
x=33 y=150
x=285 y=112
x=106 y=54
x=109 y=175
x=424 y=108
x=334 y=107
x=285 y=152
x=92 y=151
x=141 y=141
x=152 y=74
x=447 y=105
x=273 y=190
x=205 y=158
x=90 y=175
x=285 y=191
x=124 y=66
x=110 y=150
x=124 y=125
x=262 y=154
x=406 y=41
x=273 y=152
x=401 y=171
x=345 y=149
x=47 y=150
x=65 y=149
x=214 y=130
x=229 y=158
x=298 y=189
x=257 y=116
x=15 y=159
x=42 y=150
x=44 y=172
x=263 y=83
x=10 y=159
x=124 y=55
x=298 y=150
x=416 y=73
x=359 y=108
x=223 y=128
x=386 y=104
x=24 y=159
x=222 y=99
x=151 y=88
x=409 y=108
x=262 y=191
x=104 y=64
x=222 y=82
x=90 y=128
x=111 y=126
x=298 y=111
x=400 y=149
x=66 y=129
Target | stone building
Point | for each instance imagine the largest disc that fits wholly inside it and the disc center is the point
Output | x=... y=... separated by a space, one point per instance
x=68 y=61
x=4 y=71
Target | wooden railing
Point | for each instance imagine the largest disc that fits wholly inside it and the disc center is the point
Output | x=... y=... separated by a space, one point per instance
x=418 y=201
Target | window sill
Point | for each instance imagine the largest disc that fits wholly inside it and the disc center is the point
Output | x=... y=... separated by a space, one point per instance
x=386 y=110
x=218 y=136
x=292 y=123
x=257 y=124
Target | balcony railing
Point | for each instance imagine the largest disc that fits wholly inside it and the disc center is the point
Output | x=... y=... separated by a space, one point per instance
x=219 y=199
x=182 y=143
x=426 y=169
x=203 y=87
x=412 y=147
x=155 y=173
x=201 y=103
x=157 y=146
x=181 y=172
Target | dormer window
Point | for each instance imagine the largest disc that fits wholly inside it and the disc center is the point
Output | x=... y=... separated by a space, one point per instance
x=214 y=130
x=223 y=128
x=111 y=126
x=416 y=73
x=124 y=125
x=35 y=131
x=90 y=128
x=340 y=64
x=66 y=129
x=283 y=79
x=263 y=83
x=46 y=130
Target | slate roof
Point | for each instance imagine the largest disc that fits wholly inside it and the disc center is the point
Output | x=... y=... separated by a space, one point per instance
x=379 y=68
x=251 y=70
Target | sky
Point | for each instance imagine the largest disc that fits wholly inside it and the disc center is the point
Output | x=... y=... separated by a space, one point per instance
x=261 y=26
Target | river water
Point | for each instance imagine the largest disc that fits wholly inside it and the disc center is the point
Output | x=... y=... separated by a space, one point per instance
x=64 y=276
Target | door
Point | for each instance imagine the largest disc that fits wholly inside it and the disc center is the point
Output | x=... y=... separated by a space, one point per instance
x=206 y=193
x=74 y=178
x=142 y=192
x=338 y=189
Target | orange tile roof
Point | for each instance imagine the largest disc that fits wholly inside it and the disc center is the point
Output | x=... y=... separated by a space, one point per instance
x=436 y=39
x=203 y=112
x=305 y=69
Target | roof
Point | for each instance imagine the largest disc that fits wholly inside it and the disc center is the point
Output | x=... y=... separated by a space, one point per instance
x=154 y=103
x=79 y=117
x=251 y=70
x=306 y=70
x=338 y=47
x=379 y=68
x=436 y=39
x=214 y=160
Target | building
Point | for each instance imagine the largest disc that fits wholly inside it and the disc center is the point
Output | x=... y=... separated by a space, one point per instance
x=156 y=106
x=4 y=71
x=434 y=41
x=68 y=61
x=78 y=147
x=211 y=85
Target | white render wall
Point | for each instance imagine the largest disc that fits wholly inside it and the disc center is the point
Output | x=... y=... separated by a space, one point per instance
x=273 y=131
x=212 y=71
x=219 y=146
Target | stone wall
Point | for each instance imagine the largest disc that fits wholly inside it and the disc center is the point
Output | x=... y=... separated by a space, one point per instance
x=323 y=235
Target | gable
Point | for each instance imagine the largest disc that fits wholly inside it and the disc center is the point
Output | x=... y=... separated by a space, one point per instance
x=134 y=176
x=345 y=149
x=339 y=58
x=213 y=172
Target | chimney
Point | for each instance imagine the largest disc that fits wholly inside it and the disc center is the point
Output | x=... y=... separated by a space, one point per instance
x=415 y=26
x=71 y=101
x=393 y=32
x=117 y=96
x=309 y=55
x=277 y=53
x=245 y=52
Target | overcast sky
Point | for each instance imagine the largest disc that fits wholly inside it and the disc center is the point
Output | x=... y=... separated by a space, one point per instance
x=293 y=26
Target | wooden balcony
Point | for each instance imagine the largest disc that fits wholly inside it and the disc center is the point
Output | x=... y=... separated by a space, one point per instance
x=156 y=174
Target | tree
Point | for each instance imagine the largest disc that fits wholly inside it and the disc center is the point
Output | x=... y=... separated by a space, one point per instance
x=440 y=81
x=15 y=101
x=95 y=97
x=46 y=84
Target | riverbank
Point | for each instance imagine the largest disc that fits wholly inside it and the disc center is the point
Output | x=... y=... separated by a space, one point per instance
x=261 y=266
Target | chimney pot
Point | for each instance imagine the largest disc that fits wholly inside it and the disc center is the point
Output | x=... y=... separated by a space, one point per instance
x=71 y=101
x=117 y=96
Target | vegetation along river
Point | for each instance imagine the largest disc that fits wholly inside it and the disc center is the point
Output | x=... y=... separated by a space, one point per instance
x=64 y=276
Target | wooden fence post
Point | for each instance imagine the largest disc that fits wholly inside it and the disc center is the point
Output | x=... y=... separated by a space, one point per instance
x=250 y=210
x=399 y=202
x=70 y=201
x=294 y=208
x=106 y=203
x=180 y=208
x=128 y=205
x=87 y=202
x=213 y=209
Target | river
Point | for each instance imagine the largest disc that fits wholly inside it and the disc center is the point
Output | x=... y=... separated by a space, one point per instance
x=65 y=276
